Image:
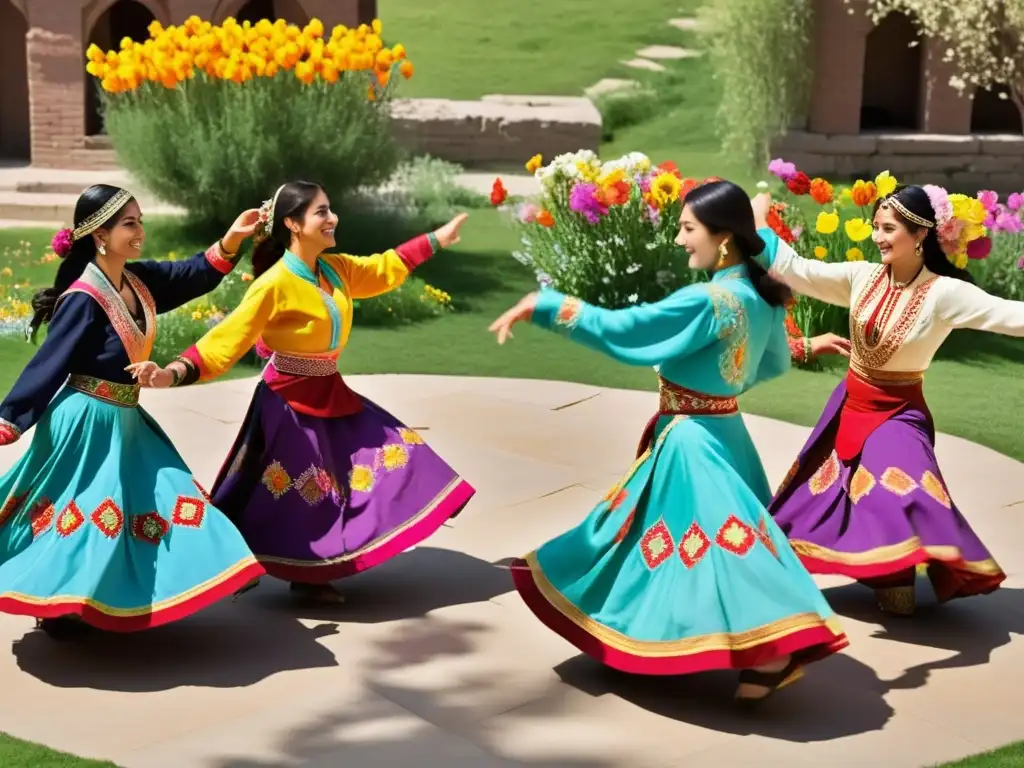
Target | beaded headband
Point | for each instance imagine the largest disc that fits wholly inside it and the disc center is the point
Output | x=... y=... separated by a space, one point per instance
x=894 y=203
x=266 y=219
x=98 y=219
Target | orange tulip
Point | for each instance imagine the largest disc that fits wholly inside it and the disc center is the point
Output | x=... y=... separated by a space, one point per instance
x=821 y=191
x=863 y=193
x=545 y=219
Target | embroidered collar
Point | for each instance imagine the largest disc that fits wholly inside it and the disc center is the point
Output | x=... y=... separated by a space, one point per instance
x=299 y=268
x=730 y=273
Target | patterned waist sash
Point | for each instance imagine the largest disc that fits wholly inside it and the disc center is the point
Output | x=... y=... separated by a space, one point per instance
x=679 y=401
x=883 y=378
x=305 y=366
x=124 y=395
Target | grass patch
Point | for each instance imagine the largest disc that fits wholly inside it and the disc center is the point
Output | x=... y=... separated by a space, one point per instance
x=1010 y=756
x=15 y=753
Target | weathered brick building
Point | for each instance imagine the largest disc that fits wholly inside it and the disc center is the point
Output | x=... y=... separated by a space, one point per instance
x=48 y=104
x=881 y=100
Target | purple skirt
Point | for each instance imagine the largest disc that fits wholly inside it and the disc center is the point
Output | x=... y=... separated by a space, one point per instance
x=318 y=498
x=879 y=516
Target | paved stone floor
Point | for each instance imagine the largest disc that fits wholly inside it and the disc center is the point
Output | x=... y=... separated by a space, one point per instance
x=435 y=661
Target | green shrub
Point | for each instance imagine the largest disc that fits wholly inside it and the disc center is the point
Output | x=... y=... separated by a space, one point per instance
x=215 y=147
x=999 y=273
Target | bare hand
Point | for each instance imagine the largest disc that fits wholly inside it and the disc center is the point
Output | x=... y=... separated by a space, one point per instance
x=448 y=235
x=761 y=204
x=521 y=311
x=244 y=227
x=149 y=374
x=830 y=344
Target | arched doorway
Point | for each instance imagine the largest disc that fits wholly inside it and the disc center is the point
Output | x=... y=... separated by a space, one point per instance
x=993 y=112
x=15 y=131
x=892 y=77
x=289 y=10
x=125 y=18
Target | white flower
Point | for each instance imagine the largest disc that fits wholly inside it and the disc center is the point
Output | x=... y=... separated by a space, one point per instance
x=762 y=185
x=633 y=268
x=633 y=298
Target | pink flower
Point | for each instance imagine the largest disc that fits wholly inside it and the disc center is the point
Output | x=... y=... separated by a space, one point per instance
x=782 y=169
x=528 y=213
x=1015 y=201
x=1008 y=222
x=988 y=198
x=980 y=248
x=62 y=242
x=583 y=199
x=797 y=231
x=939 y=199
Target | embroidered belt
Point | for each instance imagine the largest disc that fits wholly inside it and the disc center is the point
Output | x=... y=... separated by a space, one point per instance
x=679 y=401
x=883 y=377
x=304 y=366
x=125 y=395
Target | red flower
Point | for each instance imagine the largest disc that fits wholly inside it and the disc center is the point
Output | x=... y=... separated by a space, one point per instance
x=799 y=184
x=498 y=193
x=613 y=194
x=670 y=167
x=778 y=226
x=688 y=186
x=545 y=219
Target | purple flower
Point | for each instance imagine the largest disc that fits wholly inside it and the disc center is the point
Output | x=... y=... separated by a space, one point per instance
x=62 y=242
x=797 y=231
x=654 y=215
x=644 y=182
x=782 y=169
x=988 y=198
x=1015 y=201
x=1008 y=222
x=583 y=200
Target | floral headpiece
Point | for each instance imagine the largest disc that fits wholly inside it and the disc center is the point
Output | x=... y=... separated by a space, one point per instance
x=266 y=217
x=959 y=222
x=65 y=238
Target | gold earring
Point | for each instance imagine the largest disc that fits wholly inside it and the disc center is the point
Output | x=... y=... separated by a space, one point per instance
x=919 y=249
x=723 y=254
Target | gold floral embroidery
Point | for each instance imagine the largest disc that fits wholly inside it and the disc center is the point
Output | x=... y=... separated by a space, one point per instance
x=361 y=478
x=12 y=505
x=733 y=324
x=568 y=315
x=313 y=485
x=861 y=485
x=41 y=516
x=277 y=480
x=656 y=546
x=868 y=356
x=393 y=457
x=410 y=436
x=826 y=475
x=70 y=520
x=150 y=527
x=790 y=475
x=680 y=400
x=735 y=536
x=895 y=480
x=934 y=487
x=189 y=512
x=694 y=545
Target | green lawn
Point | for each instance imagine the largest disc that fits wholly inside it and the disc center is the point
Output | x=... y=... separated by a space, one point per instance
x=15 y=753
x=1010 y=756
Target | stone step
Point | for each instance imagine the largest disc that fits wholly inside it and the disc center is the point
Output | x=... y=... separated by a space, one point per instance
x=611 y=85
x=647 y=64
x=668 y=53
x=686 y=25
x=48 y=207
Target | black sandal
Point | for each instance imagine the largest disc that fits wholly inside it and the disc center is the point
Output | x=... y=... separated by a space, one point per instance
x=63 y=629
x=773 y=681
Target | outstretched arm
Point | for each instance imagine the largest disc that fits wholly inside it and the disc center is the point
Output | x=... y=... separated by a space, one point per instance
x=963 y=305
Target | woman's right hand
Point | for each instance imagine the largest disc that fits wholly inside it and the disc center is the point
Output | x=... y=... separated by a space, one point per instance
x=830 y=344
x=762 y=204
x=149 y=374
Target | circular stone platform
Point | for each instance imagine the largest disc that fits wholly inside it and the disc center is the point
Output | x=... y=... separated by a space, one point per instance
x=434 y=660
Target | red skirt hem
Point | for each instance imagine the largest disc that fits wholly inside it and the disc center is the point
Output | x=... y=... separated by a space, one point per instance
x=320 y=572
x=97 y=617
x=811 y=644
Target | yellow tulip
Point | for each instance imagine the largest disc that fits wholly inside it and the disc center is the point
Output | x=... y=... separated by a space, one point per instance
x=96 y=54
x=820 y=252
x=855 y=254
x=378 y=27
x=827 y=223
x=315 y=28
x=858 y=229
x=885 y=183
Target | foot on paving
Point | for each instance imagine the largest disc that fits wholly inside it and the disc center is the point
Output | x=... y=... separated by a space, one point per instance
x=759 y=683
x=320 y=593
x=900 y=601
x=63 y=628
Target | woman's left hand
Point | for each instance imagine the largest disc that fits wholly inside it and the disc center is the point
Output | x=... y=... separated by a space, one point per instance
x=149 y=374
x=448 y=235
x=521 y=311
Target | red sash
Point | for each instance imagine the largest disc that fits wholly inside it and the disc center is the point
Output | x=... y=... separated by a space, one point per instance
x=869 y=405
x=325 y=396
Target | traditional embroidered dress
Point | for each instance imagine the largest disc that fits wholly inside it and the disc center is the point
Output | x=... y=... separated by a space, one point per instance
x=322 y=482
x=680 y=568
x=101 y=518
x=865 y=498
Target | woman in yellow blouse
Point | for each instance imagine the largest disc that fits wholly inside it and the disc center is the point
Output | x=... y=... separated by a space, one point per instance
x=321 y=482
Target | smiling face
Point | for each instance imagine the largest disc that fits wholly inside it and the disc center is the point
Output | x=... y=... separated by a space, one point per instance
x=316 y=228
x=894 y=240
x=123 y=238
x=698 y=241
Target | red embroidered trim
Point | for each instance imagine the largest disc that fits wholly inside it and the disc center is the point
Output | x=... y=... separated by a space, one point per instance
x=137 y=344
x=694 y=545
x=109 y=518
x=70 y=520
x=8 y=432
x=735 y=536
x=218 y=260
x=12 y=505
x=150 y=527
x=188 y=512
x=41 y=516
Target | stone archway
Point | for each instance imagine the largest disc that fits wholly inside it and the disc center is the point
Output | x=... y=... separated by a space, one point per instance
x=124 y=18
x=893 y=74
x=289 y=10
x=993 y=112
x=15 y=120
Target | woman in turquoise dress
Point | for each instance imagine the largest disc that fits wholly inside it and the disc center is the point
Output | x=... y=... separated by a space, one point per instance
x=679 y=568
x=101 y=522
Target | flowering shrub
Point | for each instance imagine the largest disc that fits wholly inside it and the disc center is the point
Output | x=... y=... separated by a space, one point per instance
x=1002 y=272
x=213 y=118
x=602 y=231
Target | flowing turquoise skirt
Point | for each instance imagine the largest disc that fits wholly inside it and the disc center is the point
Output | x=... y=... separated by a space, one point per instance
x=102 y=519
x=680 y=568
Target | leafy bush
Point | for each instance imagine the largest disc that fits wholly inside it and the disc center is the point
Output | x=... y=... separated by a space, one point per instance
x=760 y=55
x=213 y=119
x=604 y=232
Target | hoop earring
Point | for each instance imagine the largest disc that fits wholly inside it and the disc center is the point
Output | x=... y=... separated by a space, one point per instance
x=723 y=254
